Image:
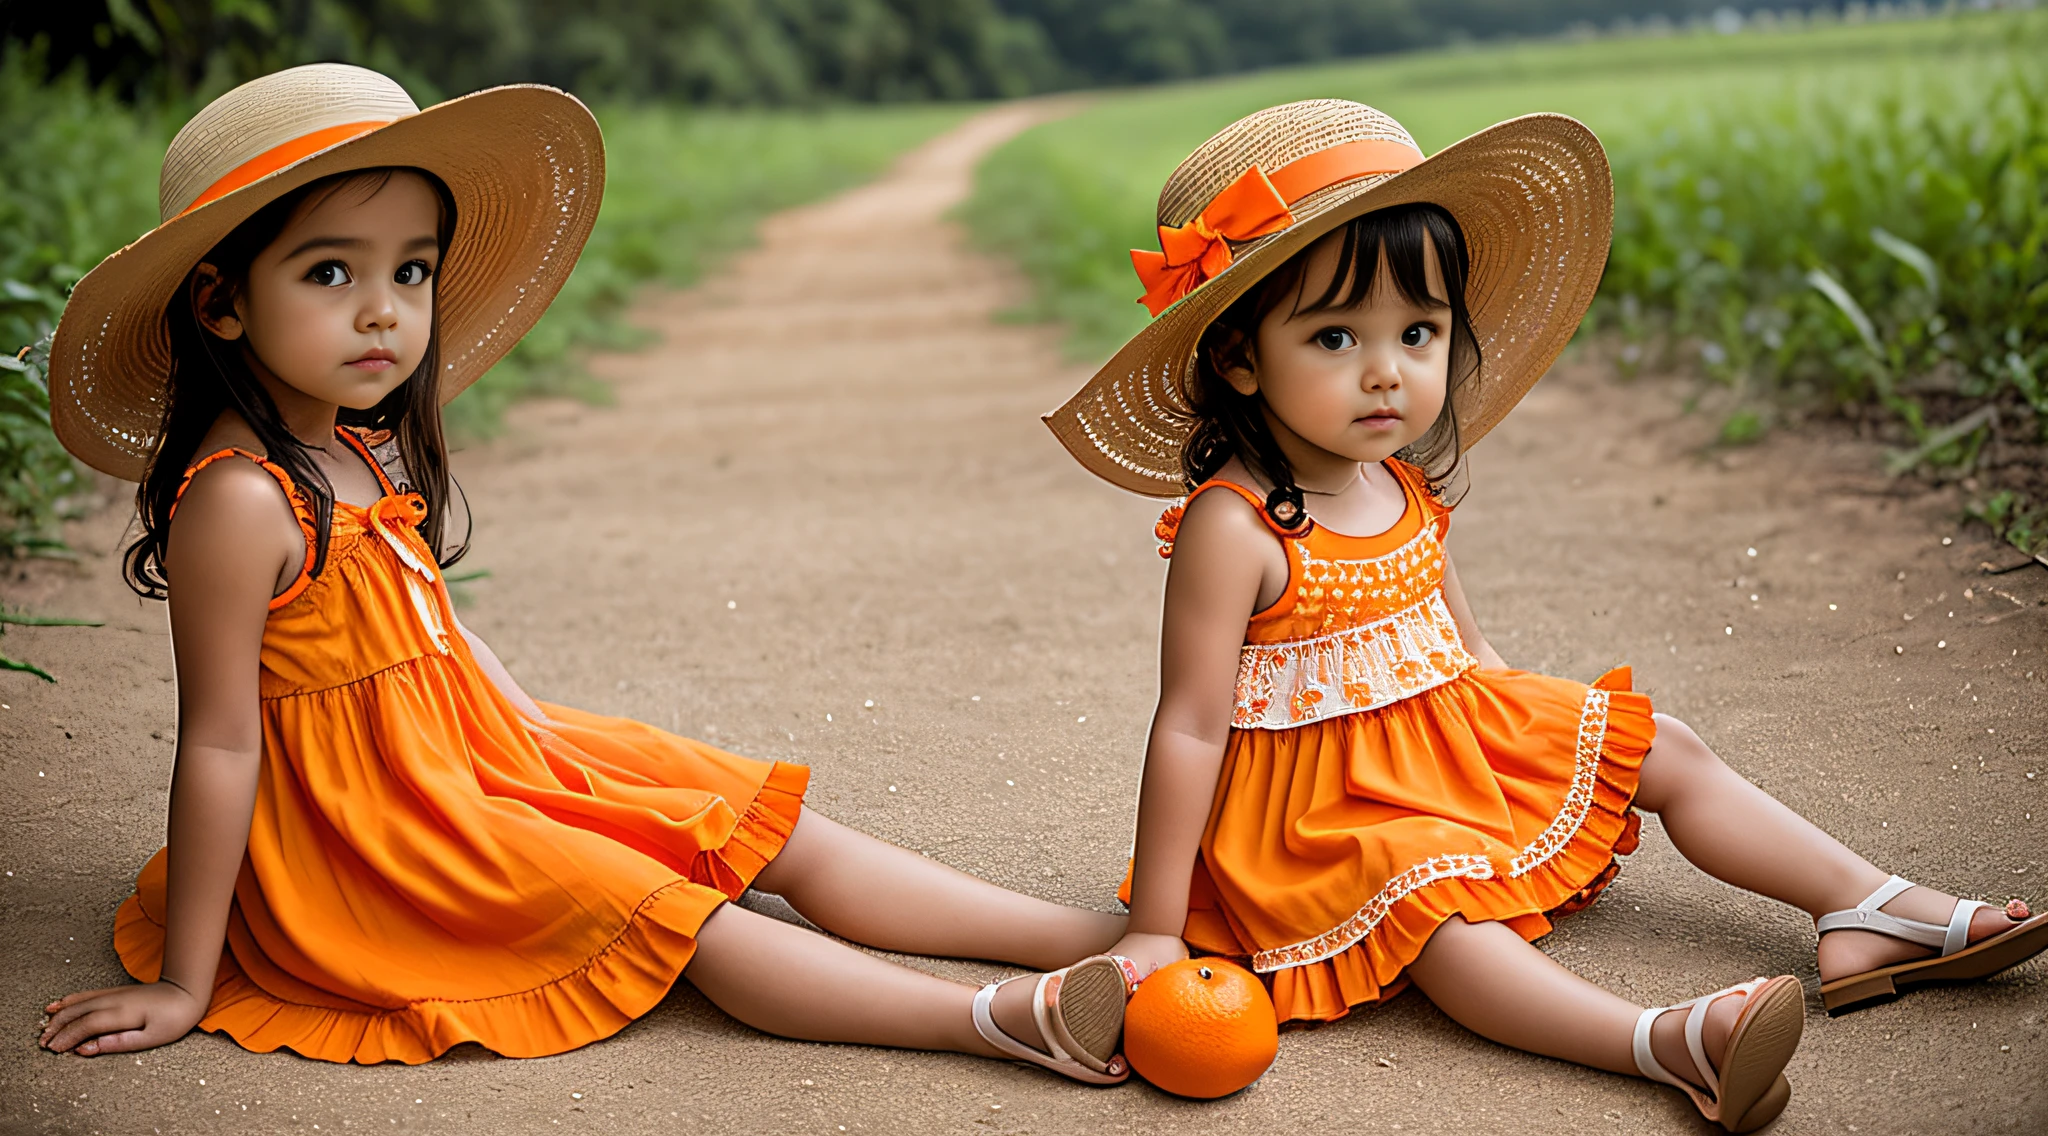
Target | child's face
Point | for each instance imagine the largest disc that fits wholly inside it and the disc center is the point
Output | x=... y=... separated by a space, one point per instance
x=1359 y=382
x=340 y=307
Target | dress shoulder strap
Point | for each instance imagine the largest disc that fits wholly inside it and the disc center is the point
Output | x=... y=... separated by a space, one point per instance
x=1434 y=511
x=361 y=445
x=300 y=510
x=1168 y=527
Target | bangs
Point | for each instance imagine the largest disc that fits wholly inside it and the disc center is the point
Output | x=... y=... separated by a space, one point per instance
x=1229 y=423
x=1399 y=234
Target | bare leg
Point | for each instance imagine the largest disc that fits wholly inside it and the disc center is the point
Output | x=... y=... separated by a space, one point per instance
x=1743 y=836
x=875 y=893
x=790 y=982
x=1493 y=983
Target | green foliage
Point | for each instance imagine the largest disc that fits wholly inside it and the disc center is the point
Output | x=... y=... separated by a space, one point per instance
x=1850 y=216
x=1741 y=428
x=78 y=171
x=786 y=52
x=2021 y=523
x=38 y=480
x=725 y=52
x=1874 y=238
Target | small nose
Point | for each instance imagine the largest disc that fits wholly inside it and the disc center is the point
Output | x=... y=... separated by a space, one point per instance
x=1382 y=371
x=379 y=311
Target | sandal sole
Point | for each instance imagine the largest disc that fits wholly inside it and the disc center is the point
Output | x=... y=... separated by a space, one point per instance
x=1091 y=1009
x=1767 y=1107
x=1764 y=1039
x=1979 y=960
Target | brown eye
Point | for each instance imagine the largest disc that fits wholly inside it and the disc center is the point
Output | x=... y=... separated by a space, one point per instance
x=413 y=272
x=1335 y=339
x=1418 y=335
x=330 y=274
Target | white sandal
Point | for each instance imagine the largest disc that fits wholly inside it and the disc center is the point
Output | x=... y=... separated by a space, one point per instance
x=1959 y=961
x=1750 y=1090
x=1080 y=1015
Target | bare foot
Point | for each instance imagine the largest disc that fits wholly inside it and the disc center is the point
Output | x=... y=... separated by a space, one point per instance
x=1843 y=953
x=1667 y=1037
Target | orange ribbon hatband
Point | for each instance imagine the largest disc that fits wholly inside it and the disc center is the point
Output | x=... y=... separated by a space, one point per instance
x=278 y=157
x=1254 y=206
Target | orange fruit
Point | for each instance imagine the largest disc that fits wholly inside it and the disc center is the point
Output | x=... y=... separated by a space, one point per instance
x=1201 y=1028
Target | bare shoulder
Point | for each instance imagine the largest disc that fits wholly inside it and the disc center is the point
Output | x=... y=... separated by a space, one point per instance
x=1223 y=532
x=234 y=505
x=1221 y=516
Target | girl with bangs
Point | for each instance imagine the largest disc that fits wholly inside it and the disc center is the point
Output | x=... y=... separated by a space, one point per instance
x=1346 y=785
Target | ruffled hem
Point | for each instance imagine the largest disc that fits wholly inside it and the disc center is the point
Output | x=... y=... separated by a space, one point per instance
x=1569 y=881
x=621 y=982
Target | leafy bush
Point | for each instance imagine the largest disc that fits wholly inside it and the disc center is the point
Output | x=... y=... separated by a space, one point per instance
x=1876 y=246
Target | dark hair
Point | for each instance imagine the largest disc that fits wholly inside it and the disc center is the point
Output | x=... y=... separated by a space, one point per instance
x=209 y=376
x=1229 y=424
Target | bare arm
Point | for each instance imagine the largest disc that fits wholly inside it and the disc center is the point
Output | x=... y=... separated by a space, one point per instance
x=1468 y=627
x=233 y=541
x=1222 y=557
x=487 y=661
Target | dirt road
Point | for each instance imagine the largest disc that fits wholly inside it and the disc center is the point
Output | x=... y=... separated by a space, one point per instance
x=822 y=523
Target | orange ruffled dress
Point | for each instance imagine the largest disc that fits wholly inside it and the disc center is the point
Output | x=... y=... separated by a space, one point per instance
x=426 y=867
x=1378 y=781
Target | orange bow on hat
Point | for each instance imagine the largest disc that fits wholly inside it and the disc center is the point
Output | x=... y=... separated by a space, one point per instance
x=1193 y=253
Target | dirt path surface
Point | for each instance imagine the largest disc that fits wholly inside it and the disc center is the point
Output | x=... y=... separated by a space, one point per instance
x=822 y=523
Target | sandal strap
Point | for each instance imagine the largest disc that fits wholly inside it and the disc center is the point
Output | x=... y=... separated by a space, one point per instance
x=1130 y=973
x=1958 y=935
x=1695 y=1044
x=1865 y=916
x=985 y=1025
x=1695 y=1027
x=1646 y=1060
x=1043 y=1019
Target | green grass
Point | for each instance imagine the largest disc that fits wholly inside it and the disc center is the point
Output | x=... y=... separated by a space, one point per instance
x=1743 y=165
x=685 y=188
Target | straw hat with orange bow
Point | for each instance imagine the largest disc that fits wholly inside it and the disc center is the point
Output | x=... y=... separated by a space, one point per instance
x=525 y=165
x=1533 y=197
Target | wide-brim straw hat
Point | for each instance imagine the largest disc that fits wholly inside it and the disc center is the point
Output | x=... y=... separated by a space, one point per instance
x=525 y=165
x=1533 y=196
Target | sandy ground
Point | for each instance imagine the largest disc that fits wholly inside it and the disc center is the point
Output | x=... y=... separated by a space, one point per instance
x=822 y=523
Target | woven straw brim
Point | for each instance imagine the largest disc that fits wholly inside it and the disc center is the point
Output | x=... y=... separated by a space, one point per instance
x=525 y=165
x=1536 y=202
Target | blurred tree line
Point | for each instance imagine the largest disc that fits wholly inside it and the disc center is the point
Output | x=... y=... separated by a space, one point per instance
x=779 y=52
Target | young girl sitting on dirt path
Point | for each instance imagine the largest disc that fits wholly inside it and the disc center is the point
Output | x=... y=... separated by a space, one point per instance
x=401 y=850
x=1345 y=784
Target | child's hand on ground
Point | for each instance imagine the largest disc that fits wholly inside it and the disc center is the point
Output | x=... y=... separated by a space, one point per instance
x=1150 y=952
x=120 y=1019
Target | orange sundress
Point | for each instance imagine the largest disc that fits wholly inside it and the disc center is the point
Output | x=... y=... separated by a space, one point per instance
x=426 y=866
x=1378 y=781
